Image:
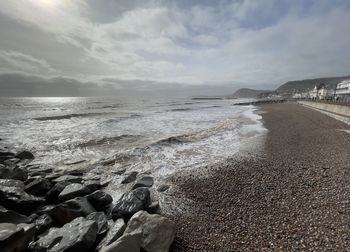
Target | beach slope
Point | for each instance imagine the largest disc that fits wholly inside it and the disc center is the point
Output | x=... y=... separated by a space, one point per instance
x=294 y=196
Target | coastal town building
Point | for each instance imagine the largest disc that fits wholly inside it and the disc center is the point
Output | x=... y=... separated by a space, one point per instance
x=297 y=95
x=342 y=91
x=319 y=92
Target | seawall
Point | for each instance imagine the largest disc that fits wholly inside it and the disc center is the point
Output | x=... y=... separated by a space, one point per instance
x=338 y=111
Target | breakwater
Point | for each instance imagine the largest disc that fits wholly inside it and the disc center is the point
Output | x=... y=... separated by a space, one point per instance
x=260 y=102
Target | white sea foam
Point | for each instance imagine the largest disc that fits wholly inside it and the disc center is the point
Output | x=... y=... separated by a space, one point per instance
x=160 y=136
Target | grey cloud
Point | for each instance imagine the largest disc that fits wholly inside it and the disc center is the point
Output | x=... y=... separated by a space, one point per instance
x=179 y=46
x=16 y=61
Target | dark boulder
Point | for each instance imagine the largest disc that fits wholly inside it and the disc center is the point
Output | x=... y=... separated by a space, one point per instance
x=69 y=210
x=115 y=231
x=13 y=172
x=52 y=195
x=145 y=181
x=38 y=187
x=24 y=155
x=10 y=216
x=131 y=177
x=101 y=219
x=13 y=196
x=72 y=191
x=78 y=235
x=15 y=237
x=132 y=202
x=43 y=223
x=100 y=200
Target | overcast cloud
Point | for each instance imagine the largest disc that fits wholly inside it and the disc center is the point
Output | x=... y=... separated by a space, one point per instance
x=96 y=47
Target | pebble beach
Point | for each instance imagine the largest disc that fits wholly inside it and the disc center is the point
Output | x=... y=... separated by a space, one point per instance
x=292 y=195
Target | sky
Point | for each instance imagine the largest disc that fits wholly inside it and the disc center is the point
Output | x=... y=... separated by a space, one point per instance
x=123 y=47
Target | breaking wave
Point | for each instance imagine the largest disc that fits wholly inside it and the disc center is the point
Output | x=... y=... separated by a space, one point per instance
x=69 y=116
x=230 y=123
x=108 y=140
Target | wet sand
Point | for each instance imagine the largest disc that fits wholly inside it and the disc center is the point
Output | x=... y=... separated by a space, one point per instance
x=295 y=195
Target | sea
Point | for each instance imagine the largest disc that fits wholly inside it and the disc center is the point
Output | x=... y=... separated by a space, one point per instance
x=156 y=135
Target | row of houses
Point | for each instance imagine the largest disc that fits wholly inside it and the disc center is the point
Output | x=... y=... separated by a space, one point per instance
x=321 y=92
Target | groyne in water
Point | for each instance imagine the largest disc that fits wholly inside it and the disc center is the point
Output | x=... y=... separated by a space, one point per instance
x=261 y=102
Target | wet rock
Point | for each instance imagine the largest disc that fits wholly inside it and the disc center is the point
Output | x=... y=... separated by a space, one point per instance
x=154 y=208
x=73 y=162
x=31 y=179
x=11 y=183
x=69 y=210
x=42 y=223
x=12 y=161
x=100 y=200
x=38 y=170
x=68 y=178
x=101 y=219
x=115 y=231
x=131 y=177
x=4 y=152
x=93 y=185
x=131 y=202
x=13 y=196
x=158 y=232
x=108 y=162
x=7 y=233
x=13 y=172
x=15 y=237
x=76 y=172
x=38 y=187
x=5 y=155
x=119 y=172
x=163 y=188
x=24 y=155
x=72 y=191
x=54 y=175
x=130 y=242
x=52 y=195
x=79 y=235
x=10 y=216
x=145 y=181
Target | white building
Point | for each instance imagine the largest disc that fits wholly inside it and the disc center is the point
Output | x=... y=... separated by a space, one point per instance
x=297 y=95
x=313 y=93
x=322 y=92
x=319 y=92
x=342 y=91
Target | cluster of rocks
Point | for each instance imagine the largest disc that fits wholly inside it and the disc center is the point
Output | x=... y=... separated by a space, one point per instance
x=45 y=210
